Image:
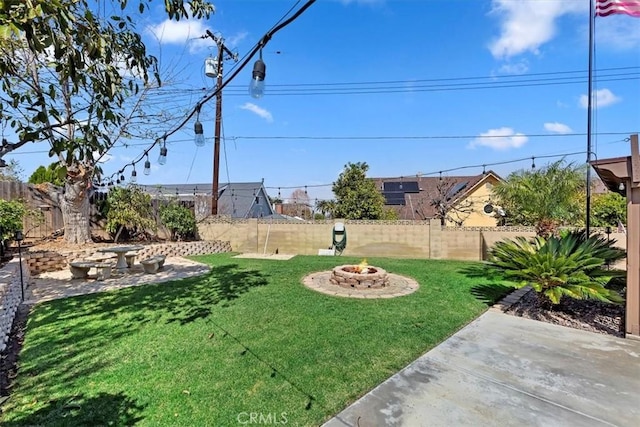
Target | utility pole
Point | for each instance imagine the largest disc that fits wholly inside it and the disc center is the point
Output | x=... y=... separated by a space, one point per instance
x=222 y=49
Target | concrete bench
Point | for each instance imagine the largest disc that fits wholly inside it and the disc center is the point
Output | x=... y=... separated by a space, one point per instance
x=130 y=257
x=97 y=257
x=80 y=269
x=152 y=264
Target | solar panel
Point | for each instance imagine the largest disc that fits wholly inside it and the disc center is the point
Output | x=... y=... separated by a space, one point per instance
x=456 y=189
x=404 y=186
x=411 y=187
x=393 y=197
x=391 y=187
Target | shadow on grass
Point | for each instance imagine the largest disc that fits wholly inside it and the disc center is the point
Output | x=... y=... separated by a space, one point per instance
x=491 y=293
x=104 y=409
x=66 y=337
x=488 y=293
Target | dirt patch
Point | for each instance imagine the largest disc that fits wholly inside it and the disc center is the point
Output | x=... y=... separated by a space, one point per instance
x=588 y=315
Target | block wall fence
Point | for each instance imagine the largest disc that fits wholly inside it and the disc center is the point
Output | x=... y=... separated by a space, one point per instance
x=396 y=239
x=10 y=296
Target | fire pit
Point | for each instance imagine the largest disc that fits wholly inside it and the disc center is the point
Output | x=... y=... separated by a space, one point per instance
x=361 y=276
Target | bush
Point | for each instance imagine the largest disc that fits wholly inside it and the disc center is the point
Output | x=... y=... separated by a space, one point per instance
x=128 y=209
x=179 y=220
x=573 y=265
x=11 y=215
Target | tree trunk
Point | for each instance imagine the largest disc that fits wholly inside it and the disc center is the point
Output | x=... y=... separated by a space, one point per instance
x=75 y=207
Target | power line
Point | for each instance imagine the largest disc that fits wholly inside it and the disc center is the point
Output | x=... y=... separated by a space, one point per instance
x=362 y=138
x=263 y=42
x=454 y=169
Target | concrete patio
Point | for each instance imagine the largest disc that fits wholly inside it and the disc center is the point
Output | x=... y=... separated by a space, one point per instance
x=502 y=370
x=60 y=284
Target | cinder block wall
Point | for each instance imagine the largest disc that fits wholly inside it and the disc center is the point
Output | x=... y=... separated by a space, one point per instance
x=396 y=239
x=403 y=239
x=10 y=296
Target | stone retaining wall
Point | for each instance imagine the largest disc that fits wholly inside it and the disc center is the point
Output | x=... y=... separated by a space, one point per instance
x=45 y=261
x=10 y=296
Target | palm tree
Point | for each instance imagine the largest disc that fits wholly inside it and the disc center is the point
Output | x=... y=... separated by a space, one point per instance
x=545 y=198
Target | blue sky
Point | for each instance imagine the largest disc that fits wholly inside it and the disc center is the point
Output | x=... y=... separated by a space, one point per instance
x=444 y=75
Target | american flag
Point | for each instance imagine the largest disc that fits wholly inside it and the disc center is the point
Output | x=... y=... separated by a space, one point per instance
x=612 y=7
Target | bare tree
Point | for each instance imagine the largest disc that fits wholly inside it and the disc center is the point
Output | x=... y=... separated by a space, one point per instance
x=443 y=202
x=299 y=204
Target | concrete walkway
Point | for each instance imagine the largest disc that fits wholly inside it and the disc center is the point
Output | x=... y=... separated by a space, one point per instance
x=503 y=370
x=59 y=284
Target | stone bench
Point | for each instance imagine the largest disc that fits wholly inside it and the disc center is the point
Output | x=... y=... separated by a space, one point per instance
x=152 y=264
x=130 y=257
x=80 y=269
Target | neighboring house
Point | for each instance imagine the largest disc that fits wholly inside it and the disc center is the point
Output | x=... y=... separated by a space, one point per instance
x=236 y=199
x=464 y=200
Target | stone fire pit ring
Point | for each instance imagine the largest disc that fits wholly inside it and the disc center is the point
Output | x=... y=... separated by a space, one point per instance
x=395 y=286
x=346 y=277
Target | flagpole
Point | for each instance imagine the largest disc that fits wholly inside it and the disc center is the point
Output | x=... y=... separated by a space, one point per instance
x=589 y=116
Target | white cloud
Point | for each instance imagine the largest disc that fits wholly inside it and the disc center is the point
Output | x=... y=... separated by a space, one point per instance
x=618 y=34
x=185 y=31
x=556 y=127
x=600 y=98
x=235 y=39
x=102 y=159
x=527 y=25
x=517 y=68
x=500 y=139
x=258 y=111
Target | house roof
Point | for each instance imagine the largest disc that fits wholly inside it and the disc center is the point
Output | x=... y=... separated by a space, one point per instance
x=237 y=199
x=411 y=197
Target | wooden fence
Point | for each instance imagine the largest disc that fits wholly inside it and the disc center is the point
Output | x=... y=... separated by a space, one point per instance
x=38 y=200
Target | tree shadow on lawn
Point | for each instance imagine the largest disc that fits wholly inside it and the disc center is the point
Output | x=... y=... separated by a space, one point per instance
x=487 y=293
x=105 y=409
x=66 y=337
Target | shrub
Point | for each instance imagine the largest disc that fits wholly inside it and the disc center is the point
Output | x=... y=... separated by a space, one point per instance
x=573 y=265
x=11 y=214
x=179 y=220
x=128 y=209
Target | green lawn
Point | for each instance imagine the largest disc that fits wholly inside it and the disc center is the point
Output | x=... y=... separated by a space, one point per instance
x=247 y=338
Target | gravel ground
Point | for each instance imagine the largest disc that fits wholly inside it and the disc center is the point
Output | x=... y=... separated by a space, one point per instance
x=594 y=316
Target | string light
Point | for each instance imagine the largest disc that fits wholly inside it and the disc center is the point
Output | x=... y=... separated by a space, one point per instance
x=533 y=162
x=256 y=87
x=163 y=153
x=134 y=174
x=147 y=165
x=256 y=49
x=199 y=132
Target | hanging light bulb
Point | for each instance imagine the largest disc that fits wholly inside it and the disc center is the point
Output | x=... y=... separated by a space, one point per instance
x=256 y=87
x=134 y=175
x=122 y=178
x=199 y=138
x=621 y=186
x=163 y=155
x=533 y=163
x=147 y=166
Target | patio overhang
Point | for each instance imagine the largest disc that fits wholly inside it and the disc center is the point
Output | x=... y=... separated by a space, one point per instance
x=622 y=175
